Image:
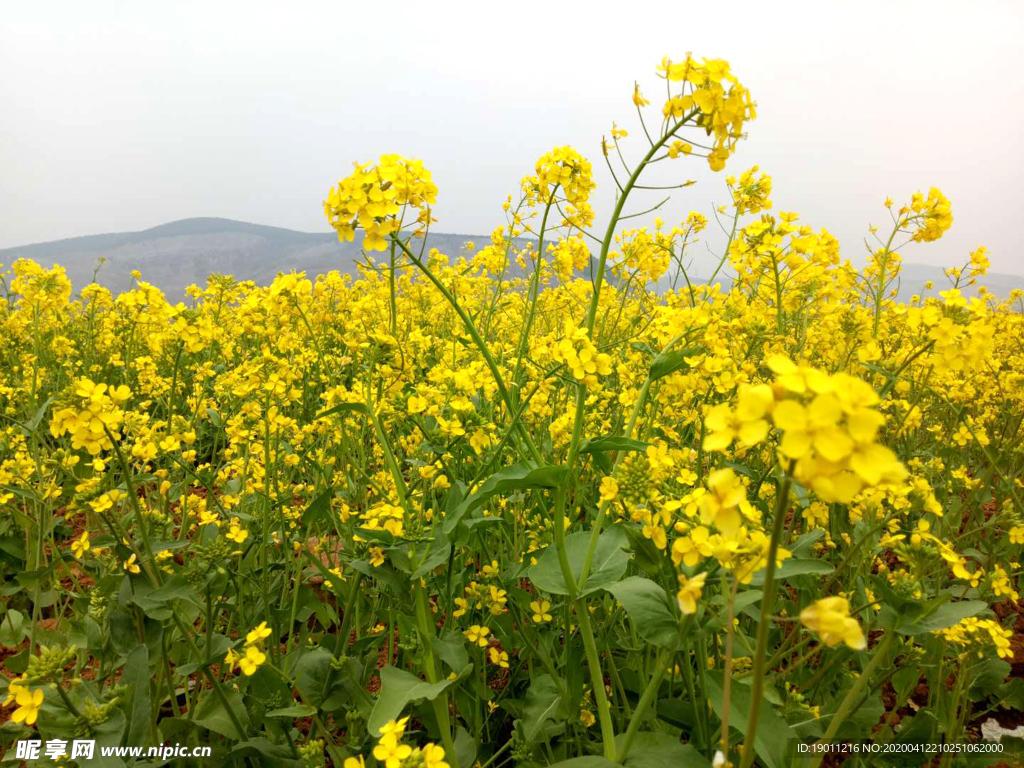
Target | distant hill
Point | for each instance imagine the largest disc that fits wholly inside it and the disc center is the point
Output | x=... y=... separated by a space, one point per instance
x=181 y=253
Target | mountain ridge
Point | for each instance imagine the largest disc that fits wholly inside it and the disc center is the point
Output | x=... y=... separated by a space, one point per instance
x=177 y=254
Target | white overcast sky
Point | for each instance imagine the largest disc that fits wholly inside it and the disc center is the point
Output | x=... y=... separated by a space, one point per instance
x=123 y=115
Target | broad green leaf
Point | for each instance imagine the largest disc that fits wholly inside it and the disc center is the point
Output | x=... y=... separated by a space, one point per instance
x=106 y=735
x=773 y=733
x=465 y=747
x=12 y=629
x=342 y=408
x=15 y=547
x=670 y=362
x=946 y=615
x=451 y=649
x=544 y=702
x=590 y=761
x=378 y=535
x=986 y=677
x=219 y=645
x=897 y=609
x=660 y=750
x=440 y=549
x=33 y=423
x=318 y=509
x=919 y=727
x=794 y=567
x=215 y=418
x=1010 y=694
x=801 y=548
x=266 y=752
x=609 y=563
x=517 y=477
x=743 y=604
x=397 y=689
x=311 y=673
x=382 y=574
x=158 y=603
x=650 y=610
x=211 y=713
x=861 y=720
x=175 y=588
x=612 y=443
x=136 y=678
x=298 y=710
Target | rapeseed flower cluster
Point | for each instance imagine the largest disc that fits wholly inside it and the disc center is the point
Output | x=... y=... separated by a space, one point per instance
x=372 y=198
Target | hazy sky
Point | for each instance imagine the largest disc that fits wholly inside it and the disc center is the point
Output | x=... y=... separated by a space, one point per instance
x=123 y=115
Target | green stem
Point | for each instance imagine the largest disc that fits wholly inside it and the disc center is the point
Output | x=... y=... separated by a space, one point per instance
x=480 y=344
x=645 y=701
x=880 y=656
x=763 y=626
x=440 y=703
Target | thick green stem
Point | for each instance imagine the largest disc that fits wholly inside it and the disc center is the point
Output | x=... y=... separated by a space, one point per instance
x=440 y=703
x=764 y=625
x=604 y=711
x=589 y=644
x=645 y=701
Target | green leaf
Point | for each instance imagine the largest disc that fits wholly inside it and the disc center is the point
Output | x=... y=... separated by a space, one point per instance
x=219 y=645
x=379 y=535
x=986 y=677
x=451 y=649
x=916 y=728
x=311 y=672
x=382 y=574
x=522 y=476
x=897 y=609
x=397 y=689
x=590 y=761
x=743 y=604
x=660 y=750
x=650 y=610
x=544 y=702
x=609 y=563
x=802 y=546
x=136 y=678
x=298 y=710
x=860 y=722
x=156 y=603
x=12 y=630
x=670 y=362
x=268 y=752
x=440 y=549
x=32 y=424
x=1010 y=694
x=215 y=418
x=318 y=509
x=342 y=408
x=612 y=443
x=946 y=615
x=465 y=747
x=211 y=713
x=599 y=446
x=772 y=734
x=794 y=567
